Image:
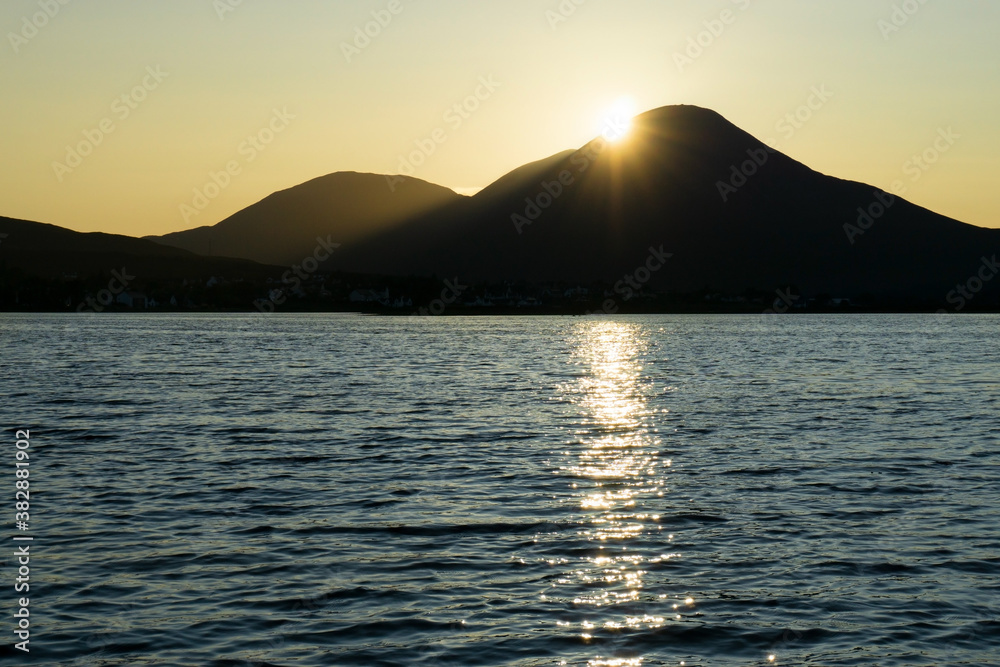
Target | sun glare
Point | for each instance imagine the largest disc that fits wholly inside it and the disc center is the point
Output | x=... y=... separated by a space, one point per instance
x=617 y=122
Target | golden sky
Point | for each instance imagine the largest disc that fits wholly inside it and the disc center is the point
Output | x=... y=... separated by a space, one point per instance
x=119 y=115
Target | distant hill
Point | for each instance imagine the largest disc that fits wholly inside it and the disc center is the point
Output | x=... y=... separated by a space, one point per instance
x=282 y=229
x=785 y=225
x=51 y=252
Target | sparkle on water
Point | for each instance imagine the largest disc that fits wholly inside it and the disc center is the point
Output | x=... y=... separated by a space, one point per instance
x=318 y=490
x=614 y=467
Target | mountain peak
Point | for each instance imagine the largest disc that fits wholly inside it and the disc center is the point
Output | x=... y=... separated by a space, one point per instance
x=344 y=206
x=733 y=213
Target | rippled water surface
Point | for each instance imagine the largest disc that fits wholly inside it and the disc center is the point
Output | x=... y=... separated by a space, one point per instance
x=346 y=490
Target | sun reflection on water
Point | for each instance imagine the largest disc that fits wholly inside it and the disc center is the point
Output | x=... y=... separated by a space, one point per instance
x=617 y=481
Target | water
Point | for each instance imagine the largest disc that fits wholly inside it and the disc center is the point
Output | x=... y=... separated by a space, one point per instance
x=344 y=490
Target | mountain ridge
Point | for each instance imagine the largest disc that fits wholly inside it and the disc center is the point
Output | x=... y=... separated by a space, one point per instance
x=50 y=251
x=785 y=225
x=282 y=228
x=734 y=214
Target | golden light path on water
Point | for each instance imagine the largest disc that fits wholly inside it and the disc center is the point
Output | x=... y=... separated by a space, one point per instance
x=616 y=474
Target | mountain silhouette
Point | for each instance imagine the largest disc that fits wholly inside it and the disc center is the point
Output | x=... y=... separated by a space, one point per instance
x=47 y=251
x=283 y=228
x=734 y=214
x=595 y=214
x=688 y=203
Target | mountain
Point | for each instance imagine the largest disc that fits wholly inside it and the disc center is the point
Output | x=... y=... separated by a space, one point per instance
x=688 y=203
x=50 y=252
x=734 y=214
x=283 y=229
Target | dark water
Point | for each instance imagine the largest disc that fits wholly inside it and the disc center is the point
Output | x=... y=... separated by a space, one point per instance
x=339 y=490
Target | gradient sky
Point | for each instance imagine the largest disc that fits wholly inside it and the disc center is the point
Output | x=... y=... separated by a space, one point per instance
x=227 y=73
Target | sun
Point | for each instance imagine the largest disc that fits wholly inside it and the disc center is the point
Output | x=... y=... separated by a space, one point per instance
x=617 y=121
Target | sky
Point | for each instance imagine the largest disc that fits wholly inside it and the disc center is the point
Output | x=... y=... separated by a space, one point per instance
x=151 y=117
